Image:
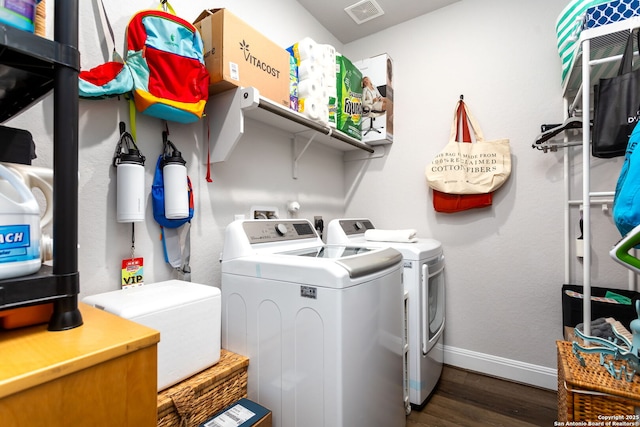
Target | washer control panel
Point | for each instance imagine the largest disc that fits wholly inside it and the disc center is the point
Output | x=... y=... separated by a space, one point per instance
x=278 y=230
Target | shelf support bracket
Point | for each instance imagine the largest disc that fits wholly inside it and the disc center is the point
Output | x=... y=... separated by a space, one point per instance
x=225 y=115
x=297 y=157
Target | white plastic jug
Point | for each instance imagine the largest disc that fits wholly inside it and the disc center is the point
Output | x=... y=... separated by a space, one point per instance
x=42 y=179
x=19 y=227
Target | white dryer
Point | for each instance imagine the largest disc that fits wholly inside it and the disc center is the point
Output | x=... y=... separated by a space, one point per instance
x=424 y=285
x=322 y=326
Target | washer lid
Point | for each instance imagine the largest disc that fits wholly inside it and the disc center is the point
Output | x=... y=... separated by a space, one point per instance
x=357 y=260
x=303 y=269
x=330 y=252
x=360 y=266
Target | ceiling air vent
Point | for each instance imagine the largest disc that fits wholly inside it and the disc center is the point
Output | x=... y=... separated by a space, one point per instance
x=364 y=11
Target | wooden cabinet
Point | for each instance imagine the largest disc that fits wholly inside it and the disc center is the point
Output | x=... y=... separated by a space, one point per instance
x=101 y=374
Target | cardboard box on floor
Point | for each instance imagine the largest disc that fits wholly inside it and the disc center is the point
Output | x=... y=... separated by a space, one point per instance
x=236 y=55
x=377 y=128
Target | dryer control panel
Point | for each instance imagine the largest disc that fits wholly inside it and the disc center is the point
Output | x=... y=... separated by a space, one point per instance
x=355 y=226
x=278 y=230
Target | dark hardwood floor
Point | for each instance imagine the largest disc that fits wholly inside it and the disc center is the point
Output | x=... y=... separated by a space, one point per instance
x=468 y=399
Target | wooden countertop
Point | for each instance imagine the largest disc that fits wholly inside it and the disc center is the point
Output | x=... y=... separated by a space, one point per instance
x=33 y=355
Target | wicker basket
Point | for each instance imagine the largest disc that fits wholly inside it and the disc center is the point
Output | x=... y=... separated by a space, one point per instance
x=194 y=400
x=588 y=393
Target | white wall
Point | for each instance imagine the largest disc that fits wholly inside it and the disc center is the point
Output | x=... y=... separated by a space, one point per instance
x=259 y=172
x=504 y=263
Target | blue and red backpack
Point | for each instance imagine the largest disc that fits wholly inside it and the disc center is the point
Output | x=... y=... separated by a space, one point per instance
x=165 y=56
x=163 y=70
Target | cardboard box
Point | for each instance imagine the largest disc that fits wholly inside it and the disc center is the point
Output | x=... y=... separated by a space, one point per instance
x=243 y=413
x=377 y=128
x=236 y=55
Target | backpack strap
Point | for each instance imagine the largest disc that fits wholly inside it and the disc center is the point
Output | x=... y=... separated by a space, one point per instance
x=132 y=117
x=111 y=40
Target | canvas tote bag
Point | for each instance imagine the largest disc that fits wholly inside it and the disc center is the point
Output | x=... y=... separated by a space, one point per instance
x=616 y=105
x=476 y=168
x=451 y=203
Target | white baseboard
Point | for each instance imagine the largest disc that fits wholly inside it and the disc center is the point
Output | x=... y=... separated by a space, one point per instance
x=514 y=370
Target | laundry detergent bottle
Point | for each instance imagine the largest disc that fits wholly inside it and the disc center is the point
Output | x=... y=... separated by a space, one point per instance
x=39 y=178
x=19 y=227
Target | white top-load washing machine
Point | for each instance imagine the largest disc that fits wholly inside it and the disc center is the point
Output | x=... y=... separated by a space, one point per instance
x=322 y=326
x=424 y=284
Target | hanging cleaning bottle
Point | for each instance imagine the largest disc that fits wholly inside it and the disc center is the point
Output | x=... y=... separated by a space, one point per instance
x=176 y=187
x=130 y=198
x=19 y=227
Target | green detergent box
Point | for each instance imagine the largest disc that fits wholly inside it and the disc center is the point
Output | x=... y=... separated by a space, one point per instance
x=348 y=106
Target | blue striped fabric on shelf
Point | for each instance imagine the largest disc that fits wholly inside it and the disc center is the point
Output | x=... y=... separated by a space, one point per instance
x=568 y=27
x=610 y=12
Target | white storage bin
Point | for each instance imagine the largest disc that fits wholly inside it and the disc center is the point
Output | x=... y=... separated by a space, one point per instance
x=186 y=314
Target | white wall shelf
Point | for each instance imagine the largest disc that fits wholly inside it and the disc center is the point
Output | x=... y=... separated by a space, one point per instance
x=228 y=110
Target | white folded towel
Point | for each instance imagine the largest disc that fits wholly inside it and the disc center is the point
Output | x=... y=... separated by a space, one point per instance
x=404 y=236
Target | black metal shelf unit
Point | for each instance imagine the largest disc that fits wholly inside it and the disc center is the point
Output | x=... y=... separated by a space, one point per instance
x=30 y=67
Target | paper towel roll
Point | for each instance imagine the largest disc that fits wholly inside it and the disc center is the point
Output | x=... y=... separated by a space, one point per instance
x=330 y=75
x=324 y=114
x=306 y=48
x=323 y=95
x=309 y=88
x=330 y=54
x=307 y=69
x=309 y=107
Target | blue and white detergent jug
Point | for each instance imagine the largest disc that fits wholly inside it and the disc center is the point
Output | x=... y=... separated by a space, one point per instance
x=19 y=227
x=39 y=178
